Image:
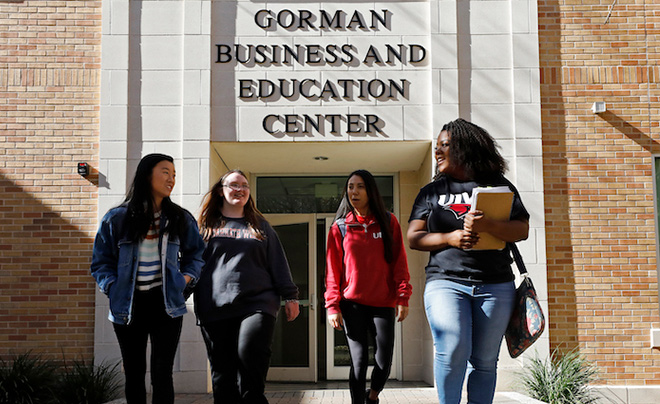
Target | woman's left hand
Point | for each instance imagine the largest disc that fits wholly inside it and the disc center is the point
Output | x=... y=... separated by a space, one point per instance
x=507 y=230
x=475 y=221
x=401 y=312
x=188 y=278
x=292 y=310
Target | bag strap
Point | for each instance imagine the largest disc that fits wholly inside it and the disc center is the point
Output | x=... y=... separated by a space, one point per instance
x=518 y=259
x=341 y=223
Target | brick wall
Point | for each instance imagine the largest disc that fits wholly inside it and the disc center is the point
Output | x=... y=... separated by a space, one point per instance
x=600 y=219
x=49 y=113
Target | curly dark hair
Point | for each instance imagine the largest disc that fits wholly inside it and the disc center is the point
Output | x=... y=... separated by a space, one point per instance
x=474 y=150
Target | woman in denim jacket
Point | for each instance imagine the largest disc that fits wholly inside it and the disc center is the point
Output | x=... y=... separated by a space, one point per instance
x=147 y=258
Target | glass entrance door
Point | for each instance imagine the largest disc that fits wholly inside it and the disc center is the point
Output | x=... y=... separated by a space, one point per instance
x=294 y=343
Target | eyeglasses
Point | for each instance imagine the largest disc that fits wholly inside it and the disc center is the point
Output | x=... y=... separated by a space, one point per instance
x=237 y=187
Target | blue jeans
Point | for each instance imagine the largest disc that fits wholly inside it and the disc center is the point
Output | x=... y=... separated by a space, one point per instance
x=467 y=322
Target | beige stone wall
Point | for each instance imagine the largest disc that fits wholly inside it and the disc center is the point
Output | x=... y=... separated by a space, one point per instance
x=416 y=358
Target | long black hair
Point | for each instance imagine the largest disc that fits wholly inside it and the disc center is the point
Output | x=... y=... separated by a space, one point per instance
x=473 y=149
x=376 y=206
x=211 y=215
x=140 y=202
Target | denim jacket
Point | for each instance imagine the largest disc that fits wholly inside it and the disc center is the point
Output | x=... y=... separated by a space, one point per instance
x=115 y=264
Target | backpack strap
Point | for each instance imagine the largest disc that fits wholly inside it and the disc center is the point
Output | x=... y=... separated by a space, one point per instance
x=341 y=223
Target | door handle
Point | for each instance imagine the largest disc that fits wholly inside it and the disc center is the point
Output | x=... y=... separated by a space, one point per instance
x=312 y=302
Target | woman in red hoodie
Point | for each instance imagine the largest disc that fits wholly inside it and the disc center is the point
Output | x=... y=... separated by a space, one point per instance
x=366 y=282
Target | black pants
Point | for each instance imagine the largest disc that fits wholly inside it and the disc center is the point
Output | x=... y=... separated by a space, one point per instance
x=359 y=321
x=239 y=350
x=149 y=321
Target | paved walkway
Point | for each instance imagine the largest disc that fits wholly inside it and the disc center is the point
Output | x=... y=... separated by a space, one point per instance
x=389 y=396
x=336 y=393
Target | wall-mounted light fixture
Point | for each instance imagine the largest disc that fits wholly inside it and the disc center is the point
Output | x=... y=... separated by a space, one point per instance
x=83 y=169
x=599 y=107
x=655 y=337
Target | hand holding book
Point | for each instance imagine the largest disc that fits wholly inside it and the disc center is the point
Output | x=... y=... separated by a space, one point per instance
x=493 y=203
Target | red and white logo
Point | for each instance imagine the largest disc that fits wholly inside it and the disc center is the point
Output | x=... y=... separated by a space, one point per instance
x=458 y=204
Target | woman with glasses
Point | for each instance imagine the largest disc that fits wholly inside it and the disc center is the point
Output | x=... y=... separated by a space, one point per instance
x=367 y=282
x=237 y=299
x=469 y=294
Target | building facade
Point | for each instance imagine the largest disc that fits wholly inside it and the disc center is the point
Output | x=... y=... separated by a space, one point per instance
x=298 y=94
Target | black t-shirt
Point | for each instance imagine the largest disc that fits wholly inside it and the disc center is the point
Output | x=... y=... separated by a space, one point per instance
x=444 y=204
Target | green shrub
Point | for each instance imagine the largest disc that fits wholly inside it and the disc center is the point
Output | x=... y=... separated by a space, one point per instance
x=31 y=379
x=83 y=383
x=28 y=379
x=563 y=378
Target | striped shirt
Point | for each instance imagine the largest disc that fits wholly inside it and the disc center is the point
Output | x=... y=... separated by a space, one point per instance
x=149 y=274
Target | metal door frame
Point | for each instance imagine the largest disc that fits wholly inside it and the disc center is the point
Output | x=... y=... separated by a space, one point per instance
x=308 y=374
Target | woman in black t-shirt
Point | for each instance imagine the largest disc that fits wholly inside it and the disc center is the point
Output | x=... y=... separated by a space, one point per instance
x=469 y=294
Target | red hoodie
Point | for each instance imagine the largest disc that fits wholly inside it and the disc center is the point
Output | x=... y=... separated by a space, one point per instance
x=357 y=271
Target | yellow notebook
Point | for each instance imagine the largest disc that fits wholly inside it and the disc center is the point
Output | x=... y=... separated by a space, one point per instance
x=496 y=204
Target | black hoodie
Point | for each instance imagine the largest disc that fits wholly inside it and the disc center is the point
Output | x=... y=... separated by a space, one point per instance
x=242 y=274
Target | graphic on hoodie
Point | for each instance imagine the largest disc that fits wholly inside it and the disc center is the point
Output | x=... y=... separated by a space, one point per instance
x=229 y=232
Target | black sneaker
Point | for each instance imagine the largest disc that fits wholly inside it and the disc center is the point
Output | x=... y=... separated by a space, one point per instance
x=367 y=400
